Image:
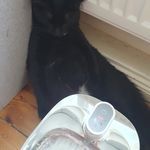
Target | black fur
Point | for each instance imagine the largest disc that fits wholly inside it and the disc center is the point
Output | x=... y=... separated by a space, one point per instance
x=61 y=60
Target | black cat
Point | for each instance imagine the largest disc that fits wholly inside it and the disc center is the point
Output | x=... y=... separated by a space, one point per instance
x=61 y=62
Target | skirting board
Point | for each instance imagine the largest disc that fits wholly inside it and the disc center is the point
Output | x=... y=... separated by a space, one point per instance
x=133 y=62
x=117 y=33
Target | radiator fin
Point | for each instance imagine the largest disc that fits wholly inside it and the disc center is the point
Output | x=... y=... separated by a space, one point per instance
x=130 y=15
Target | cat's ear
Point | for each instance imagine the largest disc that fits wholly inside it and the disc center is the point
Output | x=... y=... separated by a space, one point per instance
x=80 y=1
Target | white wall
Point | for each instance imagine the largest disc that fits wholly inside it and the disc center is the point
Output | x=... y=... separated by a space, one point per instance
x=15 y=23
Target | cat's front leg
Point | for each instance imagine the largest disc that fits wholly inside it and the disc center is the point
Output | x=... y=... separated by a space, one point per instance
x=42 y=99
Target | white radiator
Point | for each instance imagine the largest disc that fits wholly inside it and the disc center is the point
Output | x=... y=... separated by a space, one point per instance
x=132 y=16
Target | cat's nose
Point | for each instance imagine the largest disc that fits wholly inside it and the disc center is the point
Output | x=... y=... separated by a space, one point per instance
x=59 y=32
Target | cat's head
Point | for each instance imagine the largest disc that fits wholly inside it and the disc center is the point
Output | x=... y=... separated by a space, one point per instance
x=58 y=17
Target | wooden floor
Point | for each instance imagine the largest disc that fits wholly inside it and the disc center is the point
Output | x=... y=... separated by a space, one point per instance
x=17 y=120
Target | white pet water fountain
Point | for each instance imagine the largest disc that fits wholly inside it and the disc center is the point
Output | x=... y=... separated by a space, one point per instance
x=81 y=122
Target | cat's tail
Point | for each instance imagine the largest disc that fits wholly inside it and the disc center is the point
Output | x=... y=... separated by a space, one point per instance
x=142 y=123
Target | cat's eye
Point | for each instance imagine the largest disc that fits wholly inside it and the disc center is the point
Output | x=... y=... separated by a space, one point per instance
x=67 y=16
x=49 y=15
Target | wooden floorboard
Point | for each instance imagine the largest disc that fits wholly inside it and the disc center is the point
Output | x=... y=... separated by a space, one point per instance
x=17 y=120
x=10 y=138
